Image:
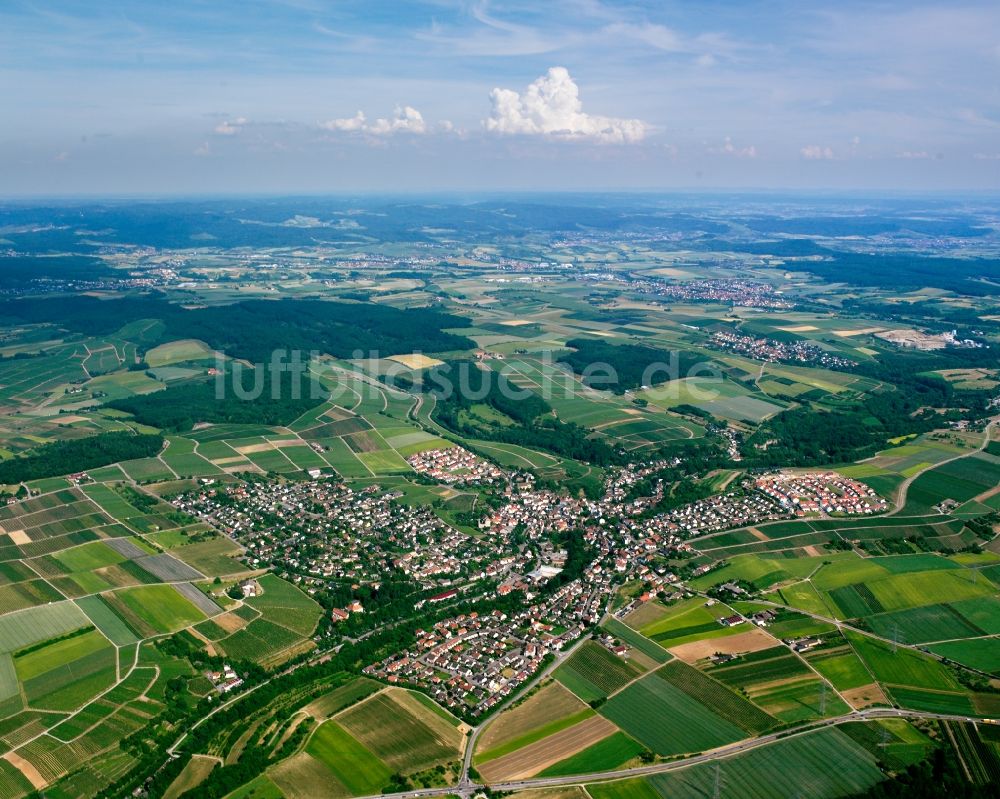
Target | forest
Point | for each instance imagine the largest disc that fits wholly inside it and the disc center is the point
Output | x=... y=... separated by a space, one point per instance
x=78 y=455
x=629 y=363
x=254 y=329
x=281 y=400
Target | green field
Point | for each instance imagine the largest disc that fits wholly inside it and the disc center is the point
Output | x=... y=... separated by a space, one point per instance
x=351 y=763
x=592 y=672
x=640 y=709
x=902 y=667
x=980 y=653
x=637 y=641
x=821 y=765
x=718 y=697
x=161 y=607
x=611 y=753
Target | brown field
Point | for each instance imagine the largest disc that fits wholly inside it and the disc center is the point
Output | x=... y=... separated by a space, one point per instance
x=28 y=770
x=548 y=704
x=540 y=755
x=516 y=322
x=303 y=777
x=415 y=361
x=574 y=792
x=758 y=534
x=249 y=449
x=289 y=442
x=19 y=537
x=864 y=696
x=450 y=734
x=645 y=614
x=285 y=655
x=865 y=331
x=193 y=775
x=230 y=622
x=752 y=640
x=799 y=329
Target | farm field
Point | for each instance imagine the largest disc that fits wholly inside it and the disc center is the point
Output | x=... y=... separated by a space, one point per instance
x=549 y=709
x=401 y=732
x=593 y=672
x=820 y=765
x=696 y=727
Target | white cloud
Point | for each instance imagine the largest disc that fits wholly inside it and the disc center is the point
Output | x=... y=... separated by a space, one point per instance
x=728 y=148
x=814 y=152
x=231 y=127
x=551 y=106
x=914 y=154
x=404 y=120
x=203 y=149
x=987 y=156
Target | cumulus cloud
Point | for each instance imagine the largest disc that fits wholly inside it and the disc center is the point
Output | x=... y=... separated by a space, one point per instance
x=815 y=152
x=231 y=127
x=551 y=106
x=405 y=119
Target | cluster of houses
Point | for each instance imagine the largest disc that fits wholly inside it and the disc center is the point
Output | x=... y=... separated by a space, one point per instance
x=226 y=680
x=455 y=465
x=736 y=292
x=722 y=512
x=473 y=662
x=322 y=530
x=820 y=492
x=771 y=350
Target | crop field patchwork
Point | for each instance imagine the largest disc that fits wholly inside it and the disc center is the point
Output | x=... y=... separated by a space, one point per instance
x=351 y=763
x=526 y=722
x=641 y=708
x=820 y=765
x=548 y=751
x=714 y=695
x=404 y=740
x=593 y=672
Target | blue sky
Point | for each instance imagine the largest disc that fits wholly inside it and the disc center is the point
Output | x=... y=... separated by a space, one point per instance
x=311 y=95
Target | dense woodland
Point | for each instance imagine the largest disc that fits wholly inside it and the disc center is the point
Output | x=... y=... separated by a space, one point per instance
x=255 y=329
x=77 y=455
x=629 y=362
x=283 y=397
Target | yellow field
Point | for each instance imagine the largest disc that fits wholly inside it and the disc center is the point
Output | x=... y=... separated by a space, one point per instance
x=415 y=361
x=862 y=332
x=177 y=351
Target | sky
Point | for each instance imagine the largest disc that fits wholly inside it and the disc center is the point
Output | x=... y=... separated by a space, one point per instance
x=314 y=96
